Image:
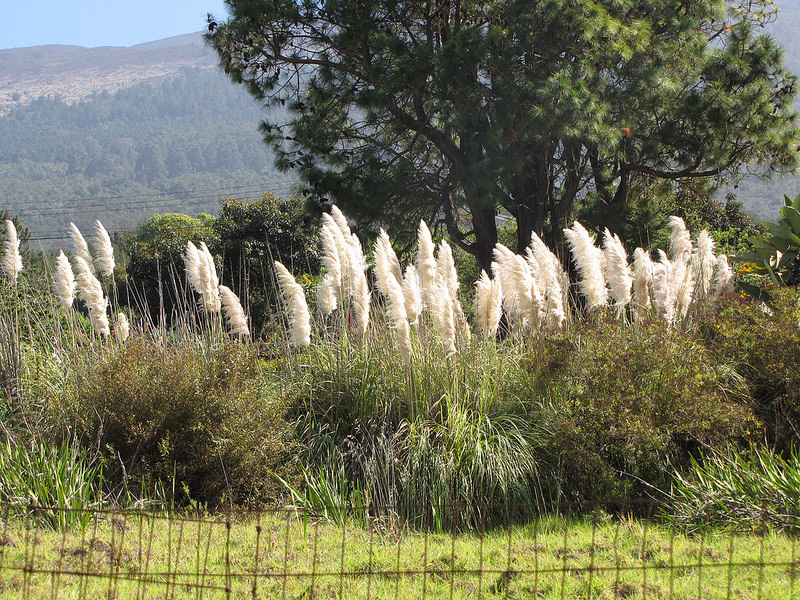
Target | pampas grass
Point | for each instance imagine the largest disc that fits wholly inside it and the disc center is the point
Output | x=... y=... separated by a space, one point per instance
x=80 y=246
x=105 y=251
x=663 y=289
x=123 y=327
x=12 y=260
x=299 y=317
x=703 y=263
x=397 y=313
x=234 y=313
x=64 y=284
x=91 y=293
x=203 y=275
x=488 y=304
x=617 y=271
x=642 y=279
x=589 y=261
x=722 y=283
x=386 y=263
x=425 y=262
x=553 y=281
x=412 y=292
x=680 y=242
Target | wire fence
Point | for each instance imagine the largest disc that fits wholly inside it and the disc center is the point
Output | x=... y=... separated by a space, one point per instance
x=565 y=552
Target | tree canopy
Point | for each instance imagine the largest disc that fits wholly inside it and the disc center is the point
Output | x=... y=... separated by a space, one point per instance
x=459 y=110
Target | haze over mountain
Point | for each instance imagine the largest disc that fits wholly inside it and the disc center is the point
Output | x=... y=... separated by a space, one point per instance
x=122 y=133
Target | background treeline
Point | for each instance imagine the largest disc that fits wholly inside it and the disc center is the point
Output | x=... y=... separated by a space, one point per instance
x=155 y=146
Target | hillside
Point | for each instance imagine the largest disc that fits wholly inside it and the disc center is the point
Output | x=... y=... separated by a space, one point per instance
x=177 y=139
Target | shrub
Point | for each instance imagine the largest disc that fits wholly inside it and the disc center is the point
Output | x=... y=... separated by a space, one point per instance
x=761 y=342
x=623 y=405
x=204 y=419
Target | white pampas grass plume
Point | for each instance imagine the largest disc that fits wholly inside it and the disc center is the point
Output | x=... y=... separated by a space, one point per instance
x=642 y=278
x=447 y=276
x=64 y=283
x=520 y=290
x=722 y=283
x=299 y=317
x=209 y=280
x=233 y=311
x=589 y=261
x=617 y=272
x=91 y=293
x=191 y=260
x=385 y=262
x=123 y=327
x=331 y=254
x=663 y=288
x=413 y=294
x=80 y=245
x=397 y=312
x=443 y=320
x=488 y=304
x=341 y=221
x=12 y=260
x=327 y=295
x=361 y=299
x=105 y=251
x=683 y=285
x=680 y=242
x=425 y=261
x=551 y=280
x=703 y=263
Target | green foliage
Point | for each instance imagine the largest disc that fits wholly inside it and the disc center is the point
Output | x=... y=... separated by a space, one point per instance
x=776 y=253
x=739 y=488
x=423 y=109
x=760 y=342
x=177 y=413
x=155 y=282
x=60 y=477
x=254 y=233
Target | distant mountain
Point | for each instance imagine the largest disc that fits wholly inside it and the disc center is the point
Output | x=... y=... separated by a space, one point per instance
x=72 y=72
x=122 y=133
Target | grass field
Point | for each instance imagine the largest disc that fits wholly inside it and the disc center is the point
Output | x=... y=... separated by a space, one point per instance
x=278 y=555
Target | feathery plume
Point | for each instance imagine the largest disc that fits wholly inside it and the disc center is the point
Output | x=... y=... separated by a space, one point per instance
x=105 y=251
x=521 y=292
x=331 y=254
x=683 y=285
x=448 y=276
x=64 y=283
x=191 y=260
x=123 y=327
x=233 y=311
x=488 y=304
x=341 y=221
x=589 y=260
x=343 y=282
x=386 y=263
x=642 y=277
x=617 y=271
x=703 y=263
x=397 y=312
x=80 y=245
x=442 y=308
x=299 y=317
x=326 y=295
x=209 y=280
x=663 y=289
x=360 y=293
x=550 y=279
x=12 y=260
x=680 y=242
x=91 y=293
x=723 y=278
x=413 y=294
x=425 y=261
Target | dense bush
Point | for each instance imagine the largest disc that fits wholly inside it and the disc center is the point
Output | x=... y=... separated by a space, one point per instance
x=762 y=342
x=184 y=415
x=625 y=405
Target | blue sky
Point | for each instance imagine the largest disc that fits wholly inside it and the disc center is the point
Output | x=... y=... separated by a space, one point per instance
x=93 y=23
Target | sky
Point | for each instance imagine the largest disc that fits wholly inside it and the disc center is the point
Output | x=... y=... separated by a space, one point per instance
x=92 y=23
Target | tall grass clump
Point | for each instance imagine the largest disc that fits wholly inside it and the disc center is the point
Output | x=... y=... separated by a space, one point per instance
x=738 y=488
x=63 y=478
